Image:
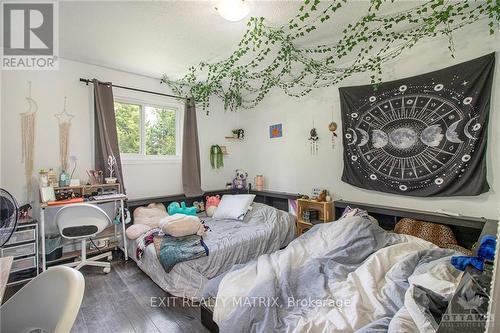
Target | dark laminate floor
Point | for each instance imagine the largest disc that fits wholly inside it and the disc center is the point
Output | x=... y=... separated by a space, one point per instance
x=121 y=302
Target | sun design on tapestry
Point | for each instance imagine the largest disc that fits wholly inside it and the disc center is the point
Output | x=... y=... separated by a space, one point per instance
x=413 y=136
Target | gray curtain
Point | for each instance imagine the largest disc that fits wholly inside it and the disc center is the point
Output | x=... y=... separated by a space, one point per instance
x=191 y=169
x=106 y=138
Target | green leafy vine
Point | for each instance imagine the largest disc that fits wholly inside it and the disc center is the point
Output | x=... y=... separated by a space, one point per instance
x=268 y=57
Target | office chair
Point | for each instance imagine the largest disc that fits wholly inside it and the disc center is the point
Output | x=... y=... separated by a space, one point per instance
x=82 y=221
x=49 y=302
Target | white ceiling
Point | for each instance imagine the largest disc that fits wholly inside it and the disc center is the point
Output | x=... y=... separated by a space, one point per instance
x=157 y=37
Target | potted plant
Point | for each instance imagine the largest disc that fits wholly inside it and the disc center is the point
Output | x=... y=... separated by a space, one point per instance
x=235 y=133
x=111 y=167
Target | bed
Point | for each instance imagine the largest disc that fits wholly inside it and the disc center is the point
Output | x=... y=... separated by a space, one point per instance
x=263 y=230
x=346 y=276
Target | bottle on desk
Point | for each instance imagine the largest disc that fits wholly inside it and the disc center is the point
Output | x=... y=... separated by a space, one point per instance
x=64 y=179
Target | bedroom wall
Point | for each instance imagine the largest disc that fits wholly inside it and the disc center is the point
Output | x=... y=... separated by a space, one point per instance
x=287 y=164
x=49 y=89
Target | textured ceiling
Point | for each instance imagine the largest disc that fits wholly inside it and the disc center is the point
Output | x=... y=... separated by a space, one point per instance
x=157 y=37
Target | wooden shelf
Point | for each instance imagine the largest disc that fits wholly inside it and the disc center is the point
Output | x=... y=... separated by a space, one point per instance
x=325 y=213
x=233 y=138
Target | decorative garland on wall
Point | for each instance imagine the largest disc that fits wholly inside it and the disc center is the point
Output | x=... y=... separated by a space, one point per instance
x=269 y=57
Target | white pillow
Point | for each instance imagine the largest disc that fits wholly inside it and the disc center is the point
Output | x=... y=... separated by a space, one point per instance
x=233 y=206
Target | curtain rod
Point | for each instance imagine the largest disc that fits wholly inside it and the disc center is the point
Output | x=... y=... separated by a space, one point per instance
x=87 y=81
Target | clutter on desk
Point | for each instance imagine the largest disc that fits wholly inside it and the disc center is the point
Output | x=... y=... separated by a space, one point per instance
x=111 y=168
x=52 y=177
x=47 y=194
x=43 y=178
x=95 y=177
x=64 y=179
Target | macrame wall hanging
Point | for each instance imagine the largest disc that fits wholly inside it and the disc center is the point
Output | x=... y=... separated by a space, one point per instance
x=313 y=138
x=64 y=121
x=28 y=121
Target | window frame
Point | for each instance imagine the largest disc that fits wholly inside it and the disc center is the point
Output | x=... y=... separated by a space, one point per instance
x=141 y=157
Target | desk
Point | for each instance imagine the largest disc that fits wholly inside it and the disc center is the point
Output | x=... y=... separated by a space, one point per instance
x=5 y=264
x=44 y=206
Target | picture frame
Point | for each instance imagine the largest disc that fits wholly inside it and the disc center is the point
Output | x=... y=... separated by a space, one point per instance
x=276 y=131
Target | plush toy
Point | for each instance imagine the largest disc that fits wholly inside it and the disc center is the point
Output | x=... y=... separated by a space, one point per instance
x=180 y=225
x=240 y=181
x=211 y=204
x=145 y=219
x=200 y=206
x=175 y=208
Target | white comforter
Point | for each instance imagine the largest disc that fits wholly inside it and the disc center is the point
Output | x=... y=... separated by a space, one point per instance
x=358 y=272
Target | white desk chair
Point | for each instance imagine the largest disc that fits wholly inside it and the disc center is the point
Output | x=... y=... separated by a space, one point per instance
x=49 y=302
x=82 y=221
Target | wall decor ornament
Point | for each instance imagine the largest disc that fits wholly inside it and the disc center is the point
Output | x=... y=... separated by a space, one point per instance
x=276 y=56
x=313 y=139
x=276 y=131
x=64 y=123
x=28 y=122
x=332 y=127
x=421 y=136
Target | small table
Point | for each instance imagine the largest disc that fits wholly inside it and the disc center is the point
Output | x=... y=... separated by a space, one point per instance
x=325 y=213
x=5 y=264
x=118 y=199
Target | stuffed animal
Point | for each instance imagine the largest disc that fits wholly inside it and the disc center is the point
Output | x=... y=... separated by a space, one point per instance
x=211 y=204
x=175 y=208
x=145 y=219
x=240 y=181
x=200 y=206
x=322 y=196
x=180 y=225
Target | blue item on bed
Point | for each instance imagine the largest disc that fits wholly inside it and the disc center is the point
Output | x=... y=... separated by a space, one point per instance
x=487 y=248
x=178 y=249
x=486 y=251
x=461 y=262
x=175 y=208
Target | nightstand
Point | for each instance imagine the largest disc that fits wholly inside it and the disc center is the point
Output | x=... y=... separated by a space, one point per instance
x=325 y=213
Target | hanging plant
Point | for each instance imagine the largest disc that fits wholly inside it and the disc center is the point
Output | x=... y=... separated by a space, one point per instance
x=216 y=157
x=269 y=57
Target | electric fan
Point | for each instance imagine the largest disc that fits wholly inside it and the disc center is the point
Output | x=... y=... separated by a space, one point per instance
x=9 y=215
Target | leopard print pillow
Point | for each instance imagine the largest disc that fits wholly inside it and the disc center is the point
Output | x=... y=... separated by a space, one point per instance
x=439 y=234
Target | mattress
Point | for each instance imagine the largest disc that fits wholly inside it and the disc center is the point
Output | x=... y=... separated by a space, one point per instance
x=263 y=230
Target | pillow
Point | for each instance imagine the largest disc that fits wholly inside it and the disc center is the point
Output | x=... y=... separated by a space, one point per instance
x=136 y=230
x=234 y=207
x=150 y=215
x=180 y=225
x=350 y=212
x=440 y=235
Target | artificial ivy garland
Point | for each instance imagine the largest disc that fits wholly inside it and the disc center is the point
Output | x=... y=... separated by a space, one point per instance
x=269 y=57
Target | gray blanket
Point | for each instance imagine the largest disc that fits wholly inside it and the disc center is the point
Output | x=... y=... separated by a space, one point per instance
x=345 y=276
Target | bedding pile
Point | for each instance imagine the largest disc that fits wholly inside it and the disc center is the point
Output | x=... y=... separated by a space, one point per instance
x=264 y=229
x=172 y=250
x=345 y=276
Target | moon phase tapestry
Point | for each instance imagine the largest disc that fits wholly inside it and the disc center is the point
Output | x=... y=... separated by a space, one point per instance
x=420 y=136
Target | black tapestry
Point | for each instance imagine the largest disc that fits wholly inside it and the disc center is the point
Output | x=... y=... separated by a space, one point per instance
x=421 y=136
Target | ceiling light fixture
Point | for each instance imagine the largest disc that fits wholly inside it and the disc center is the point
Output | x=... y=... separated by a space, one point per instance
x=232 y=10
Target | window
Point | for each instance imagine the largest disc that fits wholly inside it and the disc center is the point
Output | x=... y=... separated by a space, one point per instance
x=147 y=131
